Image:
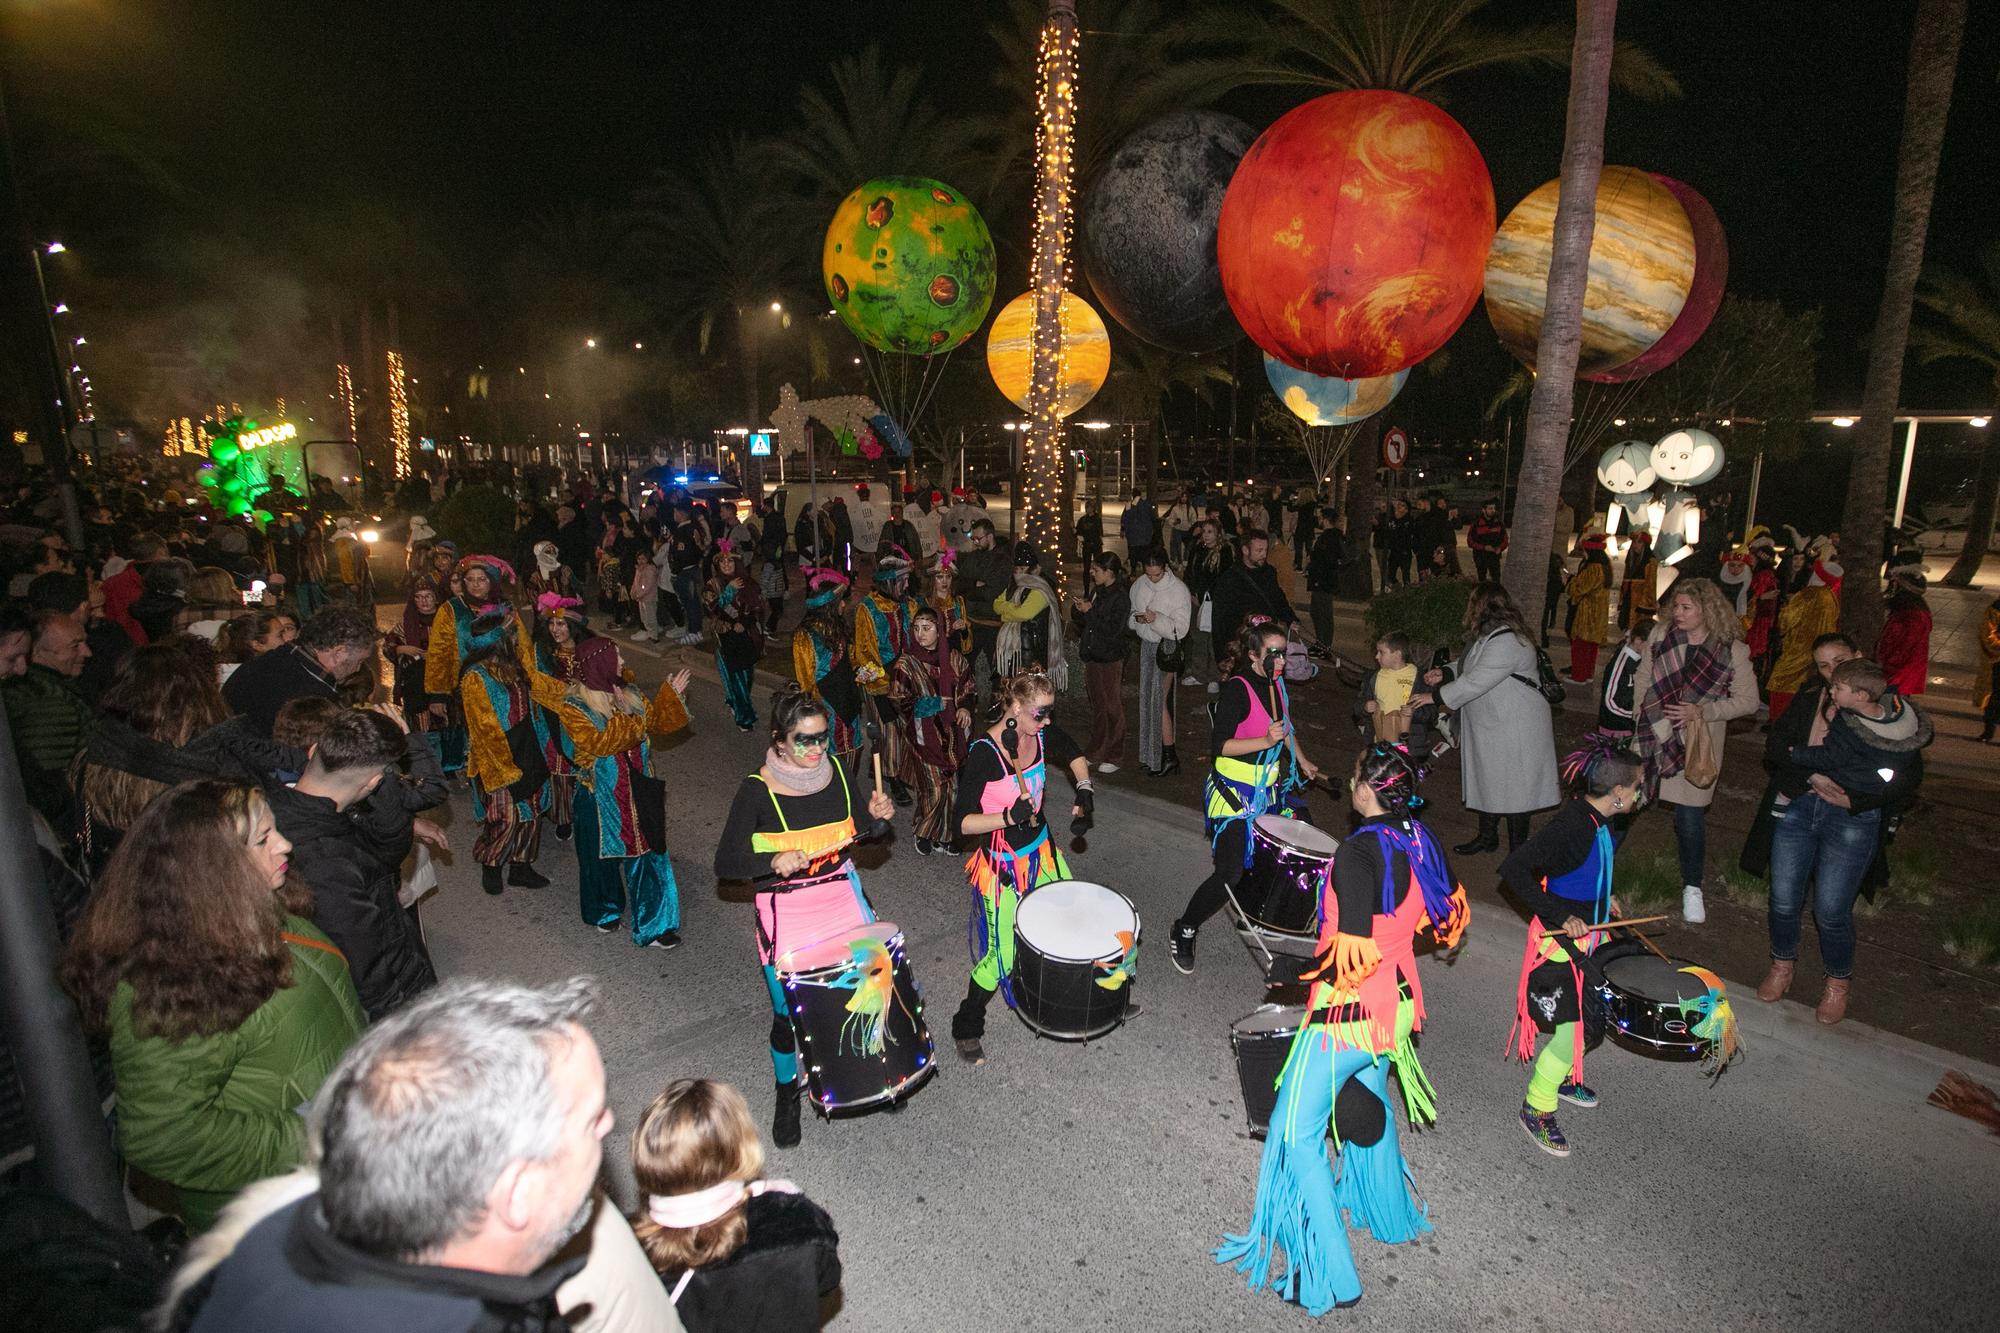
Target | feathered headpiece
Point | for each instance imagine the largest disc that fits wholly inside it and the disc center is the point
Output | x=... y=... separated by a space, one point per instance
x=893 y=566
x=553 y=605
x=496 y=568
x=822 y=585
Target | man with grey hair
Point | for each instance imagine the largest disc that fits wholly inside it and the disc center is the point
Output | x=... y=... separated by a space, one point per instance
x=457 y=1145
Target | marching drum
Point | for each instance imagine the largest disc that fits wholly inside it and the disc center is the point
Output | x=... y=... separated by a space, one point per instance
x=1262 y=1039
x=858 y=1017
x=1076 y=945
x=1279 y=890
x=1642 y=998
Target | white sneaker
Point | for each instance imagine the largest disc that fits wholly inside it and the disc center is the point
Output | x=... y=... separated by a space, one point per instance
x=1107 y=767
x=643 y=636
x=690 y=638
x=1190 y=680
x=1214 y=687
x=1693 y=910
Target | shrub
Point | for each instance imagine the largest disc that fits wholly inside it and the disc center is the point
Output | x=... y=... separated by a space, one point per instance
x=1432 y=614
x=1975 y=939
x=478 y=520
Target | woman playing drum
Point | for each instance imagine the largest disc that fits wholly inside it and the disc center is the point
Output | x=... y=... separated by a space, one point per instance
x=1563 y=874
x=788 y=830
x=1388 y=880
x=1000 y=799
x=1252 y=774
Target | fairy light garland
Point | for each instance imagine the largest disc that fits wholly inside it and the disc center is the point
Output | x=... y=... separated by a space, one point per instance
x=1055 y=161
x=399 y=417
x=343 y=378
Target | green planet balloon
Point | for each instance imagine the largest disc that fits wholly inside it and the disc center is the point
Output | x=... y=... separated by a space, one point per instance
x=224 y=450
x=231 y=485
x=909 y=265
x=238 y=505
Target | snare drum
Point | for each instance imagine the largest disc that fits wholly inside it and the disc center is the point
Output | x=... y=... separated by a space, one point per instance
x=1642 y=998
x=858 y=1017
x=1261 y=1040
x=1280 y=888
x=1076 y=945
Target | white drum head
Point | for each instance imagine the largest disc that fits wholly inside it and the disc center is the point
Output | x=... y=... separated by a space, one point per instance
x=1298 y=835
x=838 y=951
x=1075 y=919
x=1271 y=1020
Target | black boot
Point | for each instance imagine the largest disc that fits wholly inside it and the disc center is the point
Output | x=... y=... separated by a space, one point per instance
x=1486 y=840
x=785 y=1117
x=524 y=876
x=1170 y=762
x=1517 y=831
x=898 y=793
x=489 y=879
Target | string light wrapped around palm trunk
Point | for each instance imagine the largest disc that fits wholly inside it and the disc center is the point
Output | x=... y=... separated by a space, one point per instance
x=399 y=417
x=1055 y=162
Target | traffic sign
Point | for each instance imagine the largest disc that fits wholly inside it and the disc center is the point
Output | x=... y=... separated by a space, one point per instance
x=1395 y=447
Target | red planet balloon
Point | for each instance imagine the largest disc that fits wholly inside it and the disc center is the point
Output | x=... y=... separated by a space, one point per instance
x=1353 y=236
x=1704 y=298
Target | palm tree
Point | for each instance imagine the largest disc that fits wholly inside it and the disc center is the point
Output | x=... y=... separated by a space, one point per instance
x=1964 y=325
x=724 y=251
x=1546 y=437
x=1143 y=382
x=1411 y=46
x=1933 y=67
x=875 y=123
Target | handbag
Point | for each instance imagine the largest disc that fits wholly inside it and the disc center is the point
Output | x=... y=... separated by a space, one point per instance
x=1547 y=683
x=1205 y=621
x=1700 y=768
x=1170 y=655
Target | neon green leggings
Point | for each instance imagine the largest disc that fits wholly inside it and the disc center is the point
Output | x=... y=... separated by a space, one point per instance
x=1551 y=1068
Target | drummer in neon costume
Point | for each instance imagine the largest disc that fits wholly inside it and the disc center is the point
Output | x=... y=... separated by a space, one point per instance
x=1000 y=789
x=1256 y=761
x=788 y=831
x=1389 y=880
x=1563 y=874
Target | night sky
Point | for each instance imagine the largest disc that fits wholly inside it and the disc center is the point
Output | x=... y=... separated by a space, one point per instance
x=475 y=116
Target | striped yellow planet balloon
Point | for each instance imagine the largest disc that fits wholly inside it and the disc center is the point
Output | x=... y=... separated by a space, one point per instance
x=1086 y=351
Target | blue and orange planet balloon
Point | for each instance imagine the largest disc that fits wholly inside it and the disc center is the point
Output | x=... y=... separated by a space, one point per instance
x=1322 y=400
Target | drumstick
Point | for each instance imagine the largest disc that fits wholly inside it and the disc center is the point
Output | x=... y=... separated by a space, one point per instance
x=878 y=772
x=1651 y=947
x=1629 y=922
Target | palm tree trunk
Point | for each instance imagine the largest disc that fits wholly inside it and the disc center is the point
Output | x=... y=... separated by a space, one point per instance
x=1550 y=405
x=1979 y=524
x=1357 y=579
x=1933 y=65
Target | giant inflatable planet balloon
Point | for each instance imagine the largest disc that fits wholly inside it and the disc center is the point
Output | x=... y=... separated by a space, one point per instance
x=1086 y=351
x=1688 y=457
x=1711 y=276
x=1627 y=469
x=1149 y=230
x=1352 y=240
x=908 y=265
x=1321 y=400
x=1642 y=265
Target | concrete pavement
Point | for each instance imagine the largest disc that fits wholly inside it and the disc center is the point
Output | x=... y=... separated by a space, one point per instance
x=1068 y=1187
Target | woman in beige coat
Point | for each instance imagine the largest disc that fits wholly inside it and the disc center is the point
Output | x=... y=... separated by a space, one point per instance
x=1696 y=669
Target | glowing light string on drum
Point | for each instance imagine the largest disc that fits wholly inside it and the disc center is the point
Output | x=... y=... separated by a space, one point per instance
x=1042 y=460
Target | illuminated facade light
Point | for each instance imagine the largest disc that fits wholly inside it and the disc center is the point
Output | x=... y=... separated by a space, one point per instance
x=399 y=417
x=343 y=377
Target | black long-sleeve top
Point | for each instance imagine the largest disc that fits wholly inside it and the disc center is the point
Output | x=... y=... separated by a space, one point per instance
x=1556 y=848
x=752 y=813
x=1357 y=875
x=983 y=765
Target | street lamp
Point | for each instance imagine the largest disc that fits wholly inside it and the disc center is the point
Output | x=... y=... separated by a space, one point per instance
x=54 y=248
x=777 y=307
x=1909 y=420
x=590 y=342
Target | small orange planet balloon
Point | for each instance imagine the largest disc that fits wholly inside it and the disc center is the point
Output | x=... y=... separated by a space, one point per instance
x=1086 y=351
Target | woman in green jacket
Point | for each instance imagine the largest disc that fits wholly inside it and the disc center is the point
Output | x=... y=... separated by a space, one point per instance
x=225 y=1007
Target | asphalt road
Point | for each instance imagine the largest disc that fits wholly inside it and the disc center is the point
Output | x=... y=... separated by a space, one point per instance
x=1082 y=1187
